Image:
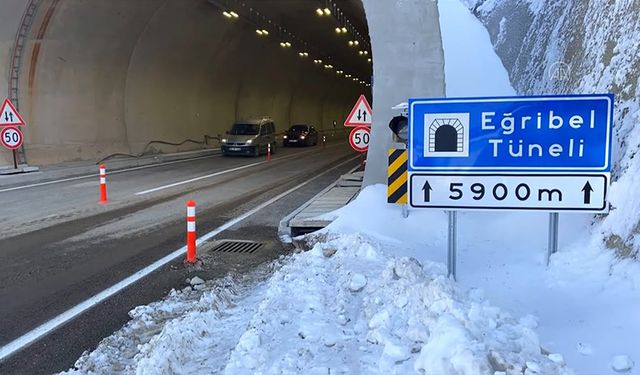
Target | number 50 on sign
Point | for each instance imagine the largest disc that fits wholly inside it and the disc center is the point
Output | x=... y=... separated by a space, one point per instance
x=359 y=138
x=11 y=138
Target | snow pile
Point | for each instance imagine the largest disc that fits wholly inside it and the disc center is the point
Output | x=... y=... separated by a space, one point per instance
x=188 y=332
x=358 y=310
x=568 y=46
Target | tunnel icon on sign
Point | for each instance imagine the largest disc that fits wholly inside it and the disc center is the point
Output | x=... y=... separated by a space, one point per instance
x=446 y=135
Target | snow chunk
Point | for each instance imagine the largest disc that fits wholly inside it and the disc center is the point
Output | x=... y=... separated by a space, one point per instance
x=622 y=363
x=557 y=358
x=196 y=281
x=584 y=348
x=358 y=282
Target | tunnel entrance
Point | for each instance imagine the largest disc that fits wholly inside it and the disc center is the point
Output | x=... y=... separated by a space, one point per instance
x=182 y=72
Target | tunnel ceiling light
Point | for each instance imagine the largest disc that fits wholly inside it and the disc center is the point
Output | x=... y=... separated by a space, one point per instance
x=303 y=54
x=339 y=72
x=227 y=14
x=317 y=61
x=319 y=12
x=369 y=60
x=285 y=44
x=234 y=14
x=348 y=76
x=338 y=30
x=327 y=11
x=344 y=30
x=262 y=32
x=328 y=66
x=360 y=53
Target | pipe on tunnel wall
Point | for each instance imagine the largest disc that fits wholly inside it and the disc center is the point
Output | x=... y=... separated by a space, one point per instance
x=111 y=76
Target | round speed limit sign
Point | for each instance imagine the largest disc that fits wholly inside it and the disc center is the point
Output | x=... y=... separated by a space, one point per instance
x=11 y=137
x=359 y=138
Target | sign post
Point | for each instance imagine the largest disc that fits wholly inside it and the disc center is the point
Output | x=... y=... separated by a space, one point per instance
x=545 y=153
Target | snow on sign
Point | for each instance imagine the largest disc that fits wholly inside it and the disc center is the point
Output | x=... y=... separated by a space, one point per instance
x=360 y=114
x=9 y=115
x=543 y=152
x=11 y=138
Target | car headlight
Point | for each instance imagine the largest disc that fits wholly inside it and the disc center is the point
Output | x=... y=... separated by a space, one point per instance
x=302 y=137
x=285 y=137
x=250 y=141
x=223 y=140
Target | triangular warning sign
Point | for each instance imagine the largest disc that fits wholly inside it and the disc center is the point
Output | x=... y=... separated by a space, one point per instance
x=9 y=115
x=360 y=114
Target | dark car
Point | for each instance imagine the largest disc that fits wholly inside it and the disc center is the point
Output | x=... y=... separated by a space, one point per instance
x=303 y=135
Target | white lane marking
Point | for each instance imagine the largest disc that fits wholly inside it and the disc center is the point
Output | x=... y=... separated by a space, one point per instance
x=199 y=178
x=110 y=172
x=44 y=329
x=221 y=173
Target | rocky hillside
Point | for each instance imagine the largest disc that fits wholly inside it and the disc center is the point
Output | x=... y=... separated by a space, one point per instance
x=581 y=46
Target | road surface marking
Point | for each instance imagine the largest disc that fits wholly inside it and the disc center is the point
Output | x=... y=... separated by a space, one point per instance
x=48 y=327
x=220 y=173
x=110 y=172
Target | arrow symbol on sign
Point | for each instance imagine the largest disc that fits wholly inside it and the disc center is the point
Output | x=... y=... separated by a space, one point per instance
x=359 y=114
x=427 y=191
x=364 y=116
x=6 y=116
x=587 y=189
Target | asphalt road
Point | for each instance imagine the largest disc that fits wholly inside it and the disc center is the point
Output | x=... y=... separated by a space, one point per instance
x=67 y=247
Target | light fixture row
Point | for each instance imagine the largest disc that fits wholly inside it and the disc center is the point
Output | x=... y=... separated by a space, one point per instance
x=229 y=14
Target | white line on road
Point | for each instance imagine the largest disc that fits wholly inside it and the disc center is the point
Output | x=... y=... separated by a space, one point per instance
x=48 y=327
x=220 y=173
x=199 y=178
x=110 y=172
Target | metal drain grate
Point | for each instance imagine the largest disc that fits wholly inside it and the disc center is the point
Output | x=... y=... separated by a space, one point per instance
x=237 y=247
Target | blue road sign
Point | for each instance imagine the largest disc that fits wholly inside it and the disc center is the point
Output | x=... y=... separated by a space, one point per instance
x=569 y=133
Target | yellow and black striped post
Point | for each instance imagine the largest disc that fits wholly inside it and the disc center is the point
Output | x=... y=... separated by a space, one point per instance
x=397 y=177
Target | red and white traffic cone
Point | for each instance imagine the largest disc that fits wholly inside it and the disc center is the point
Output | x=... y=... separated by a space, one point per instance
x=191 y=231
x=103 y=184
x=268 y=151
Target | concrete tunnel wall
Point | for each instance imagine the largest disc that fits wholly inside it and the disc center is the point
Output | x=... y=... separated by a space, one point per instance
x=100 y=77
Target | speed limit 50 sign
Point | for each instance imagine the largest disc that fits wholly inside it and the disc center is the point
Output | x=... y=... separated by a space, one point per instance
x=11 y=137
x=359 y=138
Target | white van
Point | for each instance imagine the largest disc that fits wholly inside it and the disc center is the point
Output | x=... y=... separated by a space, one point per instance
x=250 y=137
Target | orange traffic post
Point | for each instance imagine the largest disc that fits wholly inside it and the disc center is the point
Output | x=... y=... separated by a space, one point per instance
x=268 y=151
x=191 y=231
x=103 y=184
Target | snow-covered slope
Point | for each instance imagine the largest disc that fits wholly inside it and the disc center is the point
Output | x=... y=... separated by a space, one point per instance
x=580 y=46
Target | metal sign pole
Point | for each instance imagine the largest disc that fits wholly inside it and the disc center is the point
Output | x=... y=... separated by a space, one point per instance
x=15 y=159
x=405 y=211
x=553 y=235
x=451 y=255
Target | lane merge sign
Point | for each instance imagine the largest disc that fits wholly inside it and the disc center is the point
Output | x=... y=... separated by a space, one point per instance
x=548 y=153
x=361 y=113
x=9 y=115
x=11 y=138
x=359 y=138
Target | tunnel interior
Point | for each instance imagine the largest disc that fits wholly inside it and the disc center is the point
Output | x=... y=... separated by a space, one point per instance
x=103 y=77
